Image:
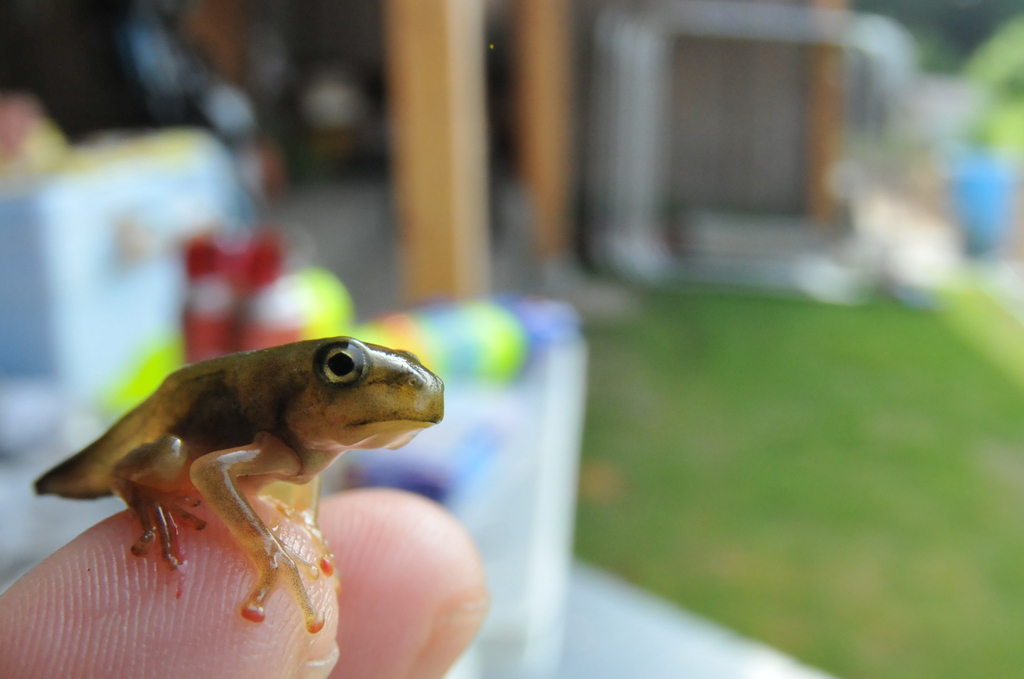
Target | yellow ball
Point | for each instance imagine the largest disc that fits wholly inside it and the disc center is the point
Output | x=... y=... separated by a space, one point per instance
x=326 y=305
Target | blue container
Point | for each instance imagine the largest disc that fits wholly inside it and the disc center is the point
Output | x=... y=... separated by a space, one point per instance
x=984 y=189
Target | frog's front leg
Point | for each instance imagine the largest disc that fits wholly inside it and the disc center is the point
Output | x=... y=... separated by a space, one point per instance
x=152 y=480
x=217 y=475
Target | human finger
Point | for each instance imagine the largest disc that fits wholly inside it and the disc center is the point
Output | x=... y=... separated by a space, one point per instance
x=92 y=609
x=413 y=590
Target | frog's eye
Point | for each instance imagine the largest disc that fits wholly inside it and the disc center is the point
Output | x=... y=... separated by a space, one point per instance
x=341 y=362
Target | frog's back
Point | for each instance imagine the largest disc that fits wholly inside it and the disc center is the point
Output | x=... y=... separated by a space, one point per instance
x=87 y=474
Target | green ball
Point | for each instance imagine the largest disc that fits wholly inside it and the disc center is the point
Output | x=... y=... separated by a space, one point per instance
x=500 y=339
x=326 y=305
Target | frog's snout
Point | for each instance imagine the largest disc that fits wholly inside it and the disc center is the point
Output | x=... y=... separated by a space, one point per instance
x=430 y=388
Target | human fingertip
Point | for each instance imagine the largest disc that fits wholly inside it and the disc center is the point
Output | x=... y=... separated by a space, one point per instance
x=414 y=592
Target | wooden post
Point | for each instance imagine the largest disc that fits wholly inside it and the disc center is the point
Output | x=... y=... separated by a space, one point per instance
x=435 y=72
x=220 y=29
x=824 y=123
x=543 y=48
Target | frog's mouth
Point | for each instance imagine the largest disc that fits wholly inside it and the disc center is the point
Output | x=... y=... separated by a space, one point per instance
x=391 y=435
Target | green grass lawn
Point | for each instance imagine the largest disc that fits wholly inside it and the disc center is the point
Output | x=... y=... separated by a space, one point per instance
x=846 y=484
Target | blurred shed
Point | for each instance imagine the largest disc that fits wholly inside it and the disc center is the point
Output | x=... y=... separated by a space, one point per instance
x=753 y=120
x=714 y=107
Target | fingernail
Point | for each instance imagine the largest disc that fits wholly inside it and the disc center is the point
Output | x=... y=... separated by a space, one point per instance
x=469 y=613
x=454 y=629
x=320 y=668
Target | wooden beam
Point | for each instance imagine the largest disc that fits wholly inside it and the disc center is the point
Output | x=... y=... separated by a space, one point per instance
x=543 y=47
x=824 y=124
x=435 y=72
x=219 y=28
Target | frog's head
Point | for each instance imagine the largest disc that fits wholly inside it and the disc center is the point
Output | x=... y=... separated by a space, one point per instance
x=363 y=395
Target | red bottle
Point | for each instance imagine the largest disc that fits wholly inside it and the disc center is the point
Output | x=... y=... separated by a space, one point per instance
x=208 y=316
x=271 y=313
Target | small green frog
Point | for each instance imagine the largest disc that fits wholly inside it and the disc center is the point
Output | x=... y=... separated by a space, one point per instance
x=242 y=424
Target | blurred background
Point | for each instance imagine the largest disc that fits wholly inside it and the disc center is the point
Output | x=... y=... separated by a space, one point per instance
x=727 y=295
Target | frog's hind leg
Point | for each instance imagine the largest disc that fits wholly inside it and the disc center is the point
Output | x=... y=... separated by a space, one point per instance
x=153 y=481
x=219 y=477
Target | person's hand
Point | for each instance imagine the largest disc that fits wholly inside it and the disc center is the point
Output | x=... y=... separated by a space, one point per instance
x=412 y=598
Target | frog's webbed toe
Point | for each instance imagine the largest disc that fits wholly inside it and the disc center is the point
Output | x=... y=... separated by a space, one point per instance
x=279 y=563
x=159 y=514
x=148 y=479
